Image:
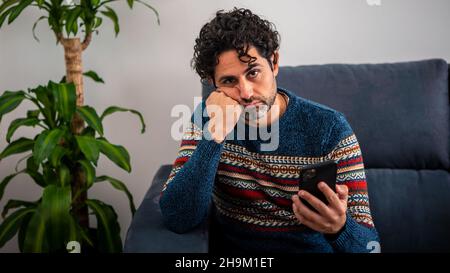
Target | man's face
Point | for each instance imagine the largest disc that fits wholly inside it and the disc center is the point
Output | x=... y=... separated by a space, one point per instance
x=252 y=86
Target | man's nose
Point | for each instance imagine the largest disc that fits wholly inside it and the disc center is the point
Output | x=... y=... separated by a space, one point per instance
x=245 y=90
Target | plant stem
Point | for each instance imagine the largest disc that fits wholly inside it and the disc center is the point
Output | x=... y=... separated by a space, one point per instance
x=87 y=40
x=74 y=69
x=74 y=73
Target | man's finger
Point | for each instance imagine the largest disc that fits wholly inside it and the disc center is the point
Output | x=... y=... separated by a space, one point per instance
x=304 y=211
x=333 y=199
x=342 y=191
x=320 y=206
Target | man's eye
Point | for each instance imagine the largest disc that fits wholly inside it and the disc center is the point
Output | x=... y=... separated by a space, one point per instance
x=227 y=81
x=253 y=73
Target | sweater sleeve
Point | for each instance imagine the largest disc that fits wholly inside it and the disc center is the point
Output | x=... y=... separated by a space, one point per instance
x=186 y=195
x=359 y=233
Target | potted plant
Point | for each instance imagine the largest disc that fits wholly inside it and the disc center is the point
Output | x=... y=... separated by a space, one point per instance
x=62 y=157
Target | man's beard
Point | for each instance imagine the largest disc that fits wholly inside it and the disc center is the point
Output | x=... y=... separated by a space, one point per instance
x=254 y=113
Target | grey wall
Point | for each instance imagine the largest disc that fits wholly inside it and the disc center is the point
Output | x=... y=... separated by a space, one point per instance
x=147 y=67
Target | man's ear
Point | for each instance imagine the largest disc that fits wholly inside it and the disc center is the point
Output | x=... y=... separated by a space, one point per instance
x=275 y=62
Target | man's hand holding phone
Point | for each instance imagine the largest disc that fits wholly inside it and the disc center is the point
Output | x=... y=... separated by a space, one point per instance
x=224 y=113
x=329 y=219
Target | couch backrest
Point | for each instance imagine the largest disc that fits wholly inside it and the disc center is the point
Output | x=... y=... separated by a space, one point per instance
x=400 y=114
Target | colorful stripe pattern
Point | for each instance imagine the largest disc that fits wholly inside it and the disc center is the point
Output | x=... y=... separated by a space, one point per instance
x=255 y=189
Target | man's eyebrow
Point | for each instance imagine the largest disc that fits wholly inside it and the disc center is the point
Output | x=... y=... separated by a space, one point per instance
x=250 y=66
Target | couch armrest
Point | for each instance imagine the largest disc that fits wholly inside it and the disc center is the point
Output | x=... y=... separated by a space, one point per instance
x=147 y=232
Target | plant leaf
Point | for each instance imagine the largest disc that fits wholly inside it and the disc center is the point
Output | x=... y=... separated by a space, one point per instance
x=65 y=99
x=18 y=10
x=32 y=171
x=22 y=230
x=130 y=3
x=6 y=4
x=85 y=236
x=35 y=25
x=119 y=185
x=88 y=131
x=37 y=177
x=20 y=161
x=12 y=204
x=56 y=155
x=91 y=117
x=5 y=14
x=72 y=19
x=55 y=206
x=33 y=113
x=64 y=175
x=5 y=183
x=89 y=171
x=45 y=143
x=111 y=14
x=98 y=22
x=11 y=225
x=31 y=164
x=35 y=240
x=10 y=100
x=152 y=8
x=108 y=228
x=20 y=122
x=91 y=74
x=50 y=174
x=115 y=153
x=42 y=95
x=18 y=146
x=113 y=109
x=74 y=234
x=47 y=230
x=45 y=97
x=75 y=28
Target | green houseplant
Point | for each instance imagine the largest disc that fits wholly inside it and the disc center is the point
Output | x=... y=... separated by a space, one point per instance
x=63 y=156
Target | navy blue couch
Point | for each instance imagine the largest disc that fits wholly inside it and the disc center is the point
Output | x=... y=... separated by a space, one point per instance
x=400 y=114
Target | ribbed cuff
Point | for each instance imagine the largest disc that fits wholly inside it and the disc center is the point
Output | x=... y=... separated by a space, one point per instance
x=208 y=149
x=346 y=234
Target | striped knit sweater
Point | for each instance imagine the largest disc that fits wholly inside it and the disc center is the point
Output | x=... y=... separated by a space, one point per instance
x=251 y=189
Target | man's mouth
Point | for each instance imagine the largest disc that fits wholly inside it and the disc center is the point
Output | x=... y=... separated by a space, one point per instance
x=253 y=104
x=255 y=110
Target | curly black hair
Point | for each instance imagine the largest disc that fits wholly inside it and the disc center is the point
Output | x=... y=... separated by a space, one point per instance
x=237 y=29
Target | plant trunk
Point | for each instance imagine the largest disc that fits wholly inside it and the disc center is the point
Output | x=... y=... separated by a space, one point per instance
x=74 y=73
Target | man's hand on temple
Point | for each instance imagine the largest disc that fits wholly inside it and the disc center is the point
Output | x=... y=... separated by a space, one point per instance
x=329 y=219
x=224 y=112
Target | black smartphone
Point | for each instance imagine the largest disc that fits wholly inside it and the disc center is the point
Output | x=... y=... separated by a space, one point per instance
x=311 y=175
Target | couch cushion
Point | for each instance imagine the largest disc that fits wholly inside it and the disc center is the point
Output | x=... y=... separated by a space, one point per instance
x=147 y=232
x=411 y=209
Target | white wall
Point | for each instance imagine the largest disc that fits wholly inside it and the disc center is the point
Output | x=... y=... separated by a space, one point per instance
x=147 y=67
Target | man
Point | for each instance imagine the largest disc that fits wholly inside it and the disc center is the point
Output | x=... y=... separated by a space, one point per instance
x=257 y=205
